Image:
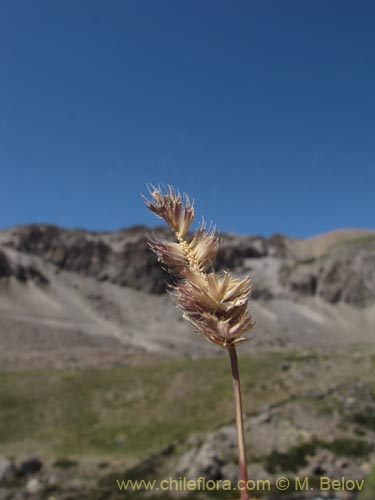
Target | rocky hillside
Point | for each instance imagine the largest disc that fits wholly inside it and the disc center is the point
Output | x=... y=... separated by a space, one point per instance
x=143 y=408
x=342 y=270
x=104 y=291
x=72 y=434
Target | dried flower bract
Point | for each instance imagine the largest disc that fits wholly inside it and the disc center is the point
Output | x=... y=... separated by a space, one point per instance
x=176 y=210
x=216 y=304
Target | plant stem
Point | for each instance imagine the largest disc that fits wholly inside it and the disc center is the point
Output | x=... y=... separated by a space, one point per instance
x=239 y=422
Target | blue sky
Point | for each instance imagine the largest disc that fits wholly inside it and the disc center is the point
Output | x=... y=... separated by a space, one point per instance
x=263 y=111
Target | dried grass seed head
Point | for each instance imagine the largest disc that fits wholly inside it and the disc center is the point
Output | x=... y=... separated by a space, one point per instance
x=174 y=208
x=216 y=304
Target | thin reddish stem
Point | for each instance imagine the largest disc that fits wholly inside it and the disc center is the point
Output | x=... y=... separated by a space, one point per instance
x=239 y=423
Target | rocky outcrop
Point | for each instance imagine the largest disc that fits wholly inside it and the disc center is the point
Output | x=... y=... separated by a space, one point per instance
x=122 y=258
x=71 y=250
x=325 y=463
x=349 y=278
x=300 y=278
x=234 y=250
x=345 y=274
x=140 y=269
x=206 y=457
x=22 y=272
x=5 y=267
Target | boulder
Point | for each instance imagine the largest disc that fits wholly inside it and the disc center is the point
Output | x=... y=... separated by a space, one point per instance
x=208 y=457
x=29 y=465
x=6 y=469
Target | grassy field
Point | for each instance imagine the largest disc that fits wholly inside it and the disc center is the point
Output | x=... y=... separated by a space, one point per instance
x=120 y=415
x=132 y=411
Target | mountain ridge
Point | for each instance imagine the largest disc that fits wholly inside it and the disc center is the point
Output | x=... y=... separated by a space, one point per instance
x=103 y=293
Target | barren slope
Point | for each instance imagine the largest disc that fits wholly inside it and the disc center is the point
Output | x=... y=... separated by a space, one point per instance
x=71 y=298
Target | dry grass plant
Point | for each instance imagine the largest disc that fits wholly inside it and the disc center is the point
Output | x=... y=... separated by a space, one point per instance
x=215 y=303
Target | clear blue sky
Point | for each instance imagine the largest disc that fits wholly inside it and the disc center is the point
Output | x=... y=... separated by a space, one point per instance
x=263 y=111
